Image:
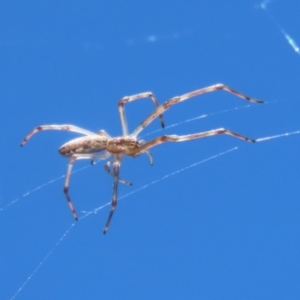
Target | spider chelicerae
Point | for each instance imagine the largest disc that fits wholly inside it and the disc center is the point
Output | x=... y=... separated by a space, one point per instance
x=91 y=144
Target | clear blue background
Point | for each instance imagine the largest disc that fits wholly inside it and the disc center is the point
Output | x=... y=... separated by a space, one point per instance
x=226 y=229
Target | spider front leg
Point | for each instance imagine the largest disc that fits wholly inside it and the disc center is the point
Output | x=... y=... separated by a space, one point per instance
x=116 y=168
x=165 y=106
x=127 y=99
x=183 y=138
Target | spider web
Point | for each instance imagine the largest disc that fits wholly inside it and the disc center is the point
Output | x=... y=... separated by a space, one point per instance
x=266 y=7
x=147 y=185
x=265 y=133
x=167 y=176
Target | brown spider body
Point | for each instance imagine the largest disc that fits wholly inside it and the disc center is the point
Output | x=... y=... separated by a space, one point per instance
x=91 y=144
x=123 y=145
x=84 y=145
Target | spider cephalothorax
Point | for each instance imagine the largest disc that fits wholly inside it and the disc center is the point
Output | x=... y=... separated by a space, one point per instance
x=96 y=146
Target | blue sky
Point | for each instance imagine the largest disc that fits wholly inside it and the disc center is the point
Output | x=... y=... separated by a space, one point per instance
x=227 y=228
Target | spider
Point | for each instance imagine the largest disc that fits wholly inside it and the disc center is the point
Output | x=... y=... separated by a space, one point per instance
x=89 y=146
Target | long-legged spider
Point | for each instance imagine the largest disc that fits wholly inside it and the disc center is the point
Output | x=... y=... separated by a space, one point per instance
x=89 y=146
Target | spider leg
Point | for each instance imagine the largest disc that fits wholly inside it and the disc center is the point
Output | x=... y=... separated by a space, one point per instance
x=69 y=172
x=165 y=106
x=66 y=187
x=94 y=157
x=127 y=99
x=107 y=169
x=183 y=138
x=56 y=127
x=116 y=167
x=148 y=153
x=150 y=157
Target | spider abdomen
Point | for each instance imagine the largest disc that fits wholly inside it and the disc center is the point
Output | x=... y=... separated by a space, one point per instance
x=82 y=145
